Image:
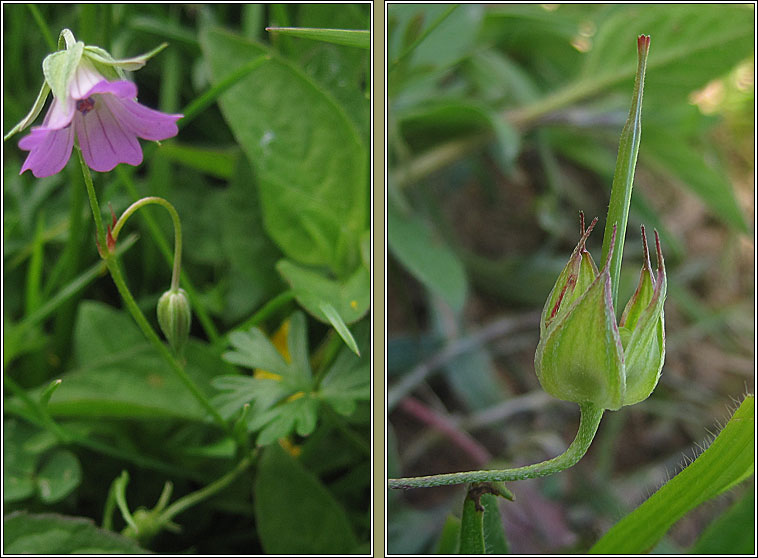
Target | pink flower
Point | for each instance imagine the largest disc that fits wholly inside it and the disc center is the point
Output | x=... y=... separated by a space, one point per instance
x=104 y=117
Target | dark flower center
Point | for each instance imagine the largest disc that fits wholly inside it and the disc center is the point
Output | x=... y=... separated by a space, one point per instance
x=85 y=105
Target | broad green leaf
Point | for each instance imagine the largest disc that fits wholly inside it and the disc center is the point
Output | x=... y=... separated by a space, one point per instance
x=101 y=333
x=346 y=37
x=294 y=511
x=344 y=72
x=310 y=163
x=121 y=375
x=49 y=533
x=60 y=474
x=426 y=257
x=20 y=461
x=250 y=252
x=728 y=461
x=350 y=298
x=136 y=384
x=20 y=338
x=732 y=532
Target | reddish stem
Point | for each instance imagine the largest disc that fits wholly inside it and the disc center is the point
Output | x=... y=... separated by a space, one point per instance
x=446 y=426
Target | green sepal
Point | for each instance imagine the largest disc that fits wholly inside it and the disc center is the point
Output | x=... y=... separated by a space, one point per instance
x=580 y=357
x=113 y=68
x=572 y=282
x=175 y=318
x=645 y=350
x=59 y=68
x=34 y=113
x=642 y=295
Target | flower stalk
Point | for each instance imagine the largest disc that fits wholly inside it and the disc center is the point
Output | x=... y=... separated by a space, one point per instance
x=111 y=262
x=590 y=420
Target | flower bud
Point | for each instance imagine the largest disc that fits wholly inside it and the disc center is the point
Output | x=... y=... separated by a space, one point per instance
x=583 y=355
x=175 y=317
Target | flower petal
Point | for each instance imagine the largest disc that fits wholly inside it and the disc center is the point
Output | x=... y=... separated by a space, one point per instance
x=104 y=141
x=147 y=123
x=85 y=78
x=123 y=88
x=49 y=150
x=59 y=115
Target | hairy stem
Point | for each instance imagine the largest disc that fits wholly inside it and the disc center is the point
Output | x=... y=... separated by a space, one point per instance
x=591 y=415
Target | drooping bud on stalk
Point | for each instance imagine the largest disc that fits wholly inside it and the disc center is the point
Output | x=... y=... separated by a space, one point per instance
x=175 y=318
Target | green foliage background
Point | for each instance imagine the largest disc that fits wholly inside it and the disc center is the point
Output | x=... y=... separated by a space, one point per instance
x=503 y=124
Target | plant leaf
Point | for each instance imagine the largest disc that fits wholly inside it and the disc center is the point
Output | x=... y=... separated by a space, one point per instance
x=310 y=162
x=339 y=325
x=732 y=532
x=426 y=257
x=345 y=37
x=351 y=298
x=59 y=476
x=50 y=533
x=294 y=511
x=727 y=461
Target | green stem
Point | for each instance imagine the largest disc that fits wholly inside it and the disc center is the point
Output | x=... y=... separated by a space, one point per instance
x=197 y=304
x=591 y=415
x=196 y=497
x=39 y=411
x=94 y=205
x=177 y=231
x=623 y=177
x=149 y=332
x=111 y=261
